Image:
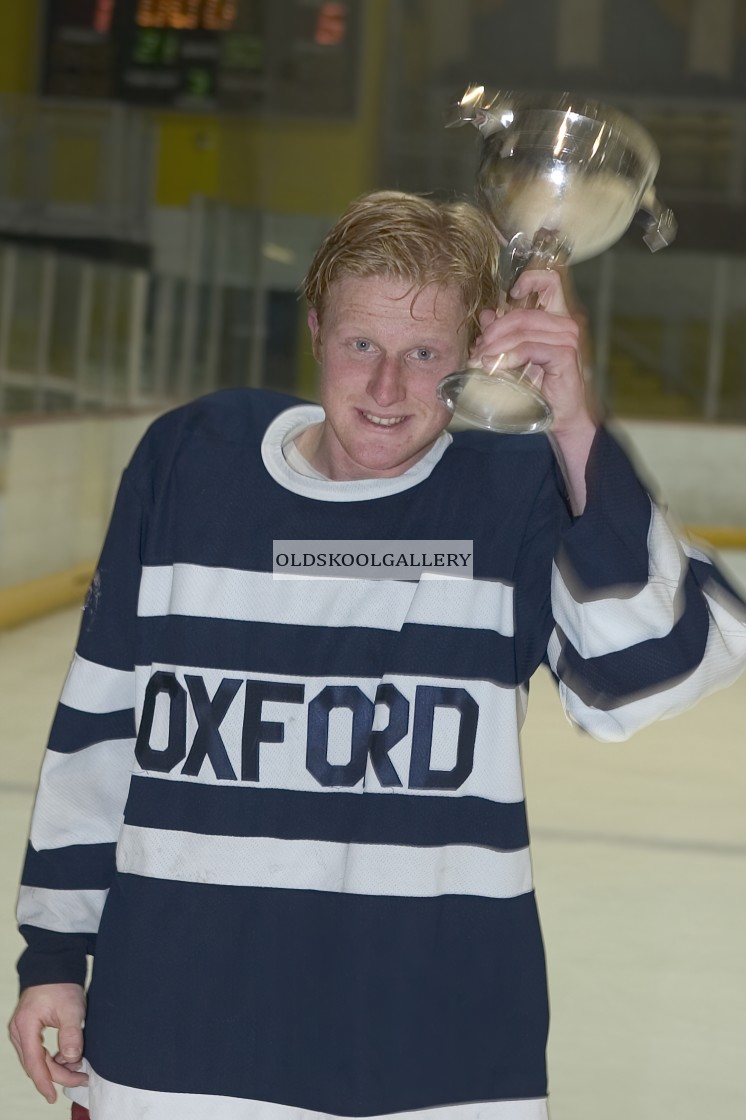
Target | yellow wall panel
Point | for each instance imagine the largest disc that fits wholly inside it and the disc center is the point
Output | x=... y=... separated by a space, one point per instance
x=309 y=168
x=19 y=36
x=188 y=158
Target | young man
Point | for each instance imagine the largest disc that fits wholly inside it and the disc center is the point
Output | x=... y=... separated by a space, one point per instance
x=288 y=814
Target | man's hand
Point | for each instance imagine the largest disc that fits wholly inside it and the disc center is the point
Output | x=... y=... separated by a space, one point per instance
x=50 y=1005
x=548 y=340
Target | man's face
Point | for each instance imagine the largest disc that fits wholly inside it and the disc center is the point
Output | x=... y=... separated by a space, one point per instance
x=383 y=347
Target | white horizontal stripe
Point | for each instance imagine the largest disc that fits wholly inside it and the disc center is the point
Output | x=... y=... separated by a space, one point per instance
x=109 y=1101
x=81 y=796
x=723 y=662
x=62 y=911
x=695 y=552
x=318 y=865
x=615 y=623
x=471 y=603
x=196 y=591
x=97 y=688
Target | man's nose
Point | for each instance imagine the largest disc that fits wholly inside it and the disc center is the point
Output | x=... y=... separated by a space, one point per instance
x=387 y=385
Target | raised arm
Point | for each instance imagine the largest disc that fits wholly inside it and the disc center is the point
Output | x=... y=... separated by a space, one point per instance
x=645 y=623
x=548 y=339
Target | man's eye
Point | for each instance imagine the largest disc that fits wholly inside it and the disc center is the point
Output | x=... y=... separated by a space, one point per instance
x=362 y=345
x=423 y=354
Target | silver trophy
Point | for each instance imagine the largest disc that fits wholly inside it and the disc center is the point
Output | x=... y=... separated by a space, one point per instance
x=562 y=179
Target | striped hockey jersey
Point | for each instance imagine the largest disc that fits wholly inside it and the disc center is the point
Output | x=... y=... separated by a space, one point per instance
x=288 y=817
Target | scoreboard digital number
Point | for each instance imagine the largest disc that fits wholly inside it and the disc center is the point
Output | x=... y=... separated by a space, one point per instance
x=187 y=15
x=292 y=57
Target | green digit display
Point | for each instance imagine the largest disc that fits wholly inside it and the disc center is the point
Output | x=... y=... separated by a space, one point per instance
x=170 y=50
x=198 y=81
x=242 y=52
x=147 y=51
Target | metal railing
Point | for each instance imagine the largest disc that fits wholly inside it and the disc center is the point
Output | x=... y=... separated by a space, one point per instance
x=81 y=333
x=71 y=332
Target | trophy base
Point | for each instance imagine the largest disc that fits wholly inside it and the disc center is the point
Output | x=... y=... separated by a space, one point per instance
x=498 y=402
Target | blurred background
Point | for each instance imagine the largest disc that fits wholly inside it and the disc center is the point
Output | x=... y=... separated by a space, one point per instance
x=167 y=168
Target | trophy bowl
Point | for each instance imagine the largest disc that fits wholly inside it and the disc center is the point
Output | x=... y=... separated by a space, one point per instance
x=562 y=179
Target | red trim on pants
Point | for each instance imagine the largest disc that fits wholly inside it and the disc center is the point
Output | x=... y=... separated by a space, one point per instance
x=80 y=1113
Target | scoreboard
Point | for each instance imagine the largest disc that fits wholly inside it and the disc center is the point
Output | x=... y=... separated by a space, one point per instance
x=286 y=57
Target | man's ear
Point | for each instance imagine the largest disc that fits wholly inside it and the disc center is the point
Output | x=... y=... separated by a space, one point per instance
x=315 y=329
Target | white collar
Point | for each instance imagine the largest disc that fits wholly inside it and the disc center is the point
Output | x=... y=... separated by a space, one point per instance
x=289 y=425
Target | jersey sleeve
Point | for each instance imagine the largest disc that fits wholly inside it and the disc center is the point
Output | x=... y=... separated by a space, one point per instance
x=645 y=623
x=86 y=770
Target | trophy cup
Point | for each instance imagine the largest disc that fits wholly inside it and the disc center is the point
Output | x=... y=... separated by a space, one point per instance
x=562 y=179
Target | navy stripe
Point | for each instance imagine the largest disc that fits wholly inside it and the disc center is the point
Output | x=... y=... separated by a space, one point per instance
x=596 y=592
x=707 y=574
x=254 y=647
x=418 y=821
x=84 y=867
x=340 y=1003
x=614 y=679
x=54 y=958
x=207 y=451
x=594 y=548
x=73 y=730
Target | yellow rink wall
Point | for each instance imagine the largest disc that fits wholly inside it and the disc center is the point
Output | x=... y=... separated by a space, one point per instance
x=58 y=479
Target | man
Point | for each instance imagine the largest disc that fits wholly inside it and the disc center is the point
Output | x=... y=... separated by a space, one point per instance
x=288 y=813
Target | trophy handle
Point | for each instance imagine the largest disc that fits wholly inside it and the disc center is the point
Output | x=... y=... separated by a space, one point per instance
x=473 y=107
x=658 y=220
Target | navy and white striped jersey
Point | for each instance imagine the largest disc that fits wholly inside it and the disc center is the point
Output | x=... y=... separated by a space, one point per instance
x=288 y=816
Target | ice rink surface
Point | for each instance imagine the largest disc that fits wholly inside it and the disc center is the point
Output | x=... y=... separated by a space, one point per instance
x=640 y=865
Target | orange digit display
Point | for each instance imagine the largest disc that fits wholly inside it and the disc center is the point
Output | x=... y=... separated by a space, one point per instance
x=331 y=26
x=151 y=13
x=187 y=15
x=219 y=15
x=102 y=16
x=184 y=15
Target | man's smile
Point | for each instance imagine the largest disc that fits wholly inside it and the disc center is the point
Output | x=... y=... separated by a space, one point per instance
x=383 y=421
